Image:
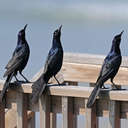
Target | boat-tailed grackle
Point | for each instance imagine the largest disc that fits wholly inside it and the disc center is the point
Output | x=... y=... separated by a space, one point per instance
x=109 y=69
x=52 y=66
x=17 y=62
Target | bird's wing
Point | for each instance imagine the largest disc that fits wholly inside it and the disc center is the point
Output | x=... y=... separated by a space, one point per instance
x=39 y=86
x=51 y=59
x=16 y=59
x=109 y=66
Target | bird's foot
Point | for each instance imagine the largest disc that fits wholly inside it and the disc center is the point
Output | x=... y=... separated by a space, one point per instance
x=120 y=89
x=27 y=81
x=62 y=84
x=22 y=81
x=19 y=81
x=15 y=84
x=115 y=87
x=59 y=84
x=104 y=87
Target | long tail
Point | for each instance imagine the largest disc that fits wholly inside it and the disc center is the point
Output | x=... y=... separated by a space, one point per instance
x=5 y=87
x=94 y=94
x=37 y=89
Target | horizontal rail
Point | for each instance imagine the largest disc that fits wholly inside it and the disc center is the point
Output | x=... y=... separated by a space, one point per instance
x=86 y=68
x=89 y=73
x=95 y=59
x=72 y=91
x=84 y=92
x=79 y=95
x=70 y=100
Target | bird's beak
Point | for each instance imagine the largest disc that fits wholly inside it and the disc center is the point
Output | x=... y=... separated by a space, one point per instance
x=25 y=27
x=60 y=28
x=121 y=33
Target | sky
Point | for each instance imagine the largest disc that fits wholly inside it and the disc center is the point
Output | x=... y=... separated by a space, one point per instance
x=88 y=27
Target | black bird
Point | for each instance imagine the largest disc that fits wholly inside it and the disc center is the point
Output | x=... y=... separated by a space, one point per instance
x=52 y=66
x=109 y=69
x=17 y=62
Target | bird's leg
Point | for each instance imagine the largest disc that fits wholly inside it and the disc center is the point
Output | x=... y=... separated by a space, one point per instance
x=16 y=78
x=56 y=80
x=16 y=83
x=114 y=85
x=24 y=77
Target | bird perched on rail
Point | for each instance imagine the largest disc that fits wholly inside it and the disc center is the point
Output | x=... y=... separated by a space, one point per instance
x=52 y=66
x=109 y=69
x=17 y=62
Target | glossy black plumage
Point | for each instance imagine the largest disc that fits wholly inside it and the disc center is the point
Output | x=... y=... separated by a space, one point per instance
x=109 y=69
x=52 y=66
x=18 y=61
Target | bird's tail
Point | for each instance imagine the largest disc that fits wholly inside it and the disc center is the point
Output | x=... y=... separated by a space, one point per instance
x=94 y=94
x=5 y=87
x=37 y=89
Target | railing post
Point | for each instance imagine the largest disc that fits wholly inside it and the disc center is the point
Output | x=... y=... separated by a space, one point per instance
x=74 y=115
x=90 y=115
x=52 y=120
x=114 y=114
x=67 y=111
x=31 y=121
x=44 y=107
x=2 y=116
x=52 y=115
x=21 y=110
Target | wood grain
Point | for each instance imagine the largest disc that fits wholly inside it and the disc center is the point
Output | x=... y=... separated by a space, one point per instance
x=21 y=110
x=114 y=114
x=2 y=116
x=44 y=108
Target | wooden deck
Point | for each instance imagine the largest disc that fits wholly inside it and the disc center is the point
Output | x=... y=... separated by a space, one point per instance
x=68 y=100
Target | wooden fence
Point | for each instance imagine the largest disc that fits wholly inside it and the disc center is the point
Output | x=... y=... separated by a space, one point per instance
x=68 y=100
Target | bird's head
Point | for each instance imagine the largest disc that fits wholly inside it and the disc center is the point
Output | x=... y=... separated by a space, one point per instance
x=57 y=33
x=117 y=38
x=22 y=32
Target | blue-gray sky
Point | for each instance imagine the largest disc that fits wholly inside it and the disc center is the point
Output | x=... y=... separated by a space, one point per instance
x=88 y=27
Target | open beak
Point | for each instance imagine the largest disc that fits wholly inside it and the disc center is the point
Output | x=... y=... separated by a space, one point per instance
x=25 y=27
x=60 y=28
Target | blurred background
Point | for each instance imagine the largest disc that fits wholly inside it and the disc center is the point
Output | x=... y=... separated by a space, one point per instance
x=88 y=27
